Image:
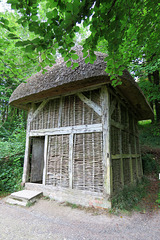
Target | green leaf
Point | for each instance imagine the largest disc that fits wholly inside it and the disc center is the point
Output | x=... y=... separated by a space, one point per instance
x=22 y=43
x=51 y=4
x=12 y=36
x=44 y=71
x=93 y=57
x=87 y=60
x=55 y=13
x=69 y=63
x=38 y=68
x=66 y=58
x=85 y=54
x=69 y=7
x=34 y=17
x=76 y=29
x=49 y=15
x=91 y=61
x=29 y=48
x=75 y=65
x=43 y=56
x=74 y=56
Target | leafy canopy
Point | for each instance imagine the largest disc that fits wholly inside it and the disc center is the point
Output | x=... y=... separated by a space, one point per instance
x=15 y=66
x=129 y=28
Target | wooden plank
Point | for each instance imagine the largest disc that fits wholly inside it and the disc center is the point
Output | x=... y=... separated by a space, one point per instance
x=49 y=113
x=67 y=130
x=60 y=112
x=39 y=109
x=137 y=155
x=37 y=160
x=71 y=160
x=90 y=103
x=113 y=105
x=130 y=163
x=118 y=125
x=45 y=159
x=112 y=91
x=130 y=158
x=74 y=111
x=53 y=119
x=124 y=101
x=93 y=164
x=120 y=146
x=118 y=156
x=106 y=141
x=27 y=148
x=84 y=163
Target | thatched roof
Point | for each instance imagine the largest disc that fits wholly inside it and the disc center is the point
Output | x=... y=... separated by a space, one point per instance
x=59 y=80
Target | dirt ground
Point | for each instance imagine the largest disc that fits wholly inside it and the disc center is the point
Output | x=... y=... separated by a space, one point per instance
x=48 y=219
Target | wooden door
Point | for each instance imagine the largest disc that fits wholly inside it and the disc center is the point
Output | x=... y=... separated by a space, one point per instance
x=37 y=160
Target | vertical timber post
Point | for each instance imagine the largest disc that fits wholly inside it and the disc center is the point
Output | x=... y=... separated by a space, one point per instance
x=27 y=148
x=45 y=159
x=120 y=145
x=71 y=160
x=106 y=141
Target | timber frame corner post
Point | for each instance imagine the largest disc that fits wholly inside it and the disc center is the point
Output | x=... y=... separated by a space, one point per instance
x=105 y=96
x=27 y=147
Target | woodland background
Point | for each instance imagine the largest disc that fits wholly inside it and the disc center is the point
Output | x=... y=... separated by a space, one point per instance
x=34 y=33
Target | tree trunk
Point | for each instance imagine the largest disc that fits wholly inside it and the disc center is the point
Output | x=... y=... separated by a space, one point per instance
x=156 y=80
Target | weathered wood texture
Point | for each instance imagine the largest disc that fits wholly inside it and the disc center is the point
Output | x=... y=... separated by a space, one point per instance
x=69 y=111
x=87 y=162
x=74 y=153
x=105 y=96
x=126 y=159
x=91 y=141
x=27 y=147
x=58 y=161
x=37 y=161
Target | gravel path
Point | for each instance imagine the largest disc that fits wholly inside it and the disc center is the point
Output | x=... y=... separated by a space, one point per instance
x=50 y=220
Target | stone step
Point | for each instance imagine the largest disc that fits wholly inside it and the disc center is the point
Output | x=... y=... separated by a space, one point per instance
x=24 y=197
x=16 y=202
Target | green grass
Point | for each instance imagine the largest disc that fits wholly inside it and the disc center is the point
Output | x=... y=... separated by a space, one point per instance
x=4 y=194
x=72 y=205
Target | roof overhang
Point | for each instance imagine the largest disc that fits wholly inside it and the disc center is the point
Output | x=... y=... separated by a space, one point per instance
x=60 y=80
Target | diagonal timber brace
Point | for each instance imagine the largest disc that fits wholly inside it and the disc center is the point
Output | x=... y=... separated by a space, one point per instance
x=90 y=103
x=42 y=105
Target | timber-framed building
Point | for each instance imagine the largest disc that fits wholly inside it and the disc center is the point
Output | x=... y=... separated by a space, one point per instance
x=82 y=143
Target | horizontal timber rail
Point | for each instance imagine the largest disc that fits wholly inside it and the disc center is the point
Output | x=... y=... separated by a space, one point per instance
x=67 y=130
x=118 y=156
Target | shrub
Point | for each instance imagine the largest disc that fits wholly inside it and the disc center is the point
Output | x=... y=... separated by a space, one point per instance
x=149 y=164
x=11 y=161
x=130 y=196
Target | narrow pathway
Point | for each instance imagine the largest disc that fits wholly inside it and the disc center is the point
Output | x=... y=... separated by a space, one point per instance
x=50 y=220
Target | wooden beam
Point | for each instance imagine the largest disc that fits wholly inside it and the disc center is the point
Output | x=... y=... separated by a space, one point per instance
x=45 y=159
x=90 y=103
x=113 y=105
x=118 y=156
x=130 y=153
x=71 y=160
x=120 y=145
x=67 y=130
x=106 y=141
x=60 y=112
x=39 y=109
x=27 y=148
